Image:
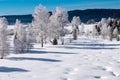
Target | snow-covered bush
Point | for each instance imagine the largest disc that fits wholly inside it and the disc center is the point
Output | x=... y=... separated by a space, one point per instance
x=4 y=46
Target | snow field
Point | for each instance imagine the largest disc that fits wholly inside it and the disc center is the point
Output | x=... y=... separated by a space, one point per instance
x=86 y=59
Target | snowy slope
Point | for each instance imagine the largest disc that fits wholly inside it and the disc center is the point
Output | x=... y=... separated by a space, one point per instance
x=84 y=59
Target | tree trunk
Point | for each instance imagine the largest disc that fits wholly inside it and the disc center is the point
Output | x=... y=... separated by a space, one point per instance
x=62 y=41
x=2 y=56
x=117 y=38
x=111 y=34
x=41 y=41
x=75 y=34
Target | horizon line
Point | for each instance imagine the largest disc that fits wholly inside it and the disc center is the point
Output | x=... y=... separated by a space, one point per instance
x=66 y=10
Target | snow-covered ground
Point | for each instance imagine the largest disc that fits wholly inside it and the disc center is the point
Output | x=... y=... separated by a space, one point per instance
x=83 y=59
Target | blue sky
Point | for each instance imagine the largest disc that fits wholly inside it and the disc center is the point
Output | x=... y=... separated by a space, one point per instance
x=14 y=7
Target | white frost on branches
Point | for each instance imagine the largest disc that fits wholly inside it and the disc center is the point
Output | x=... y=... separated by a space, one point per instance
x=4 y=47
x=40 y=23
x=19 y=37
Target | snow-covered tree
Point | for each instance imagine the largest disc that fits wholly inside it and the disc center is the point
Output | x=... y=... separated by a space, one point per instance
x=53 y=30
x=104 y=28
x=4 y=46
x=87 y=33
x=95 y=32
x=104 y=31
x=75 y=26
x=81 y=30
x=103 y=21
x=19 y=37
x=29 y=37
x=109 y=33
x=58 y=20
x=76 y=21
x=109 y=20
x=91 y=21
x=40 y=23
x=116 y=34
x=99 y=24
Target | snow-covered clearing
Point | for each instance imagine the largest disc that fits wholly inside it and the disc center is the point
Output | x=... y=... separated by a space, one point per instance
x=83 y=59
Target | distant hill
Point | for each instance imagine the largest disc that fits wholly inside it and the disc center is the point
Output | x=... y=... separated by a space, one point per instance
x=23 y=18
x=95 y=14
x=84 y=15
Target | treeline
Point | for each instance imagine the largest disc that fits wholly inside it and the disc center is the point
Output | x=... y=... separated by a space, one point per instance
x=96 y=14
x=84 y=15
x=23 y=18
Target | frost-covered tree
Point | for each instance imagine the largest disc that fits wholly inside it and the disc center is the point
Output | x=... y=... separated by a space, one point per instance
x=76 y=21
x=29 y=37
x=75 y=26
x=94 y=31
x=19 y=37
x=81 y=30
x=104 y=28
x=91 y=21
x=53 y=30
x=109 y=20
x=32 y=33
x=103 y=21
x=99 y=24
x=58 y=20
x=40 y=23
x=104 y=31
x=116 y=34
x=4 y=46
x=109 y=31
x=87 y=33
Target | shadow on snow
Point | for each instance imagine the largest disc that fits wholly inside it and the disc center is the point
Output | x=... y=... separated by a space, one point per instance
x=34 y=59
x=47 y=52
x=9 y=69
x=95 y=44
x=92 y=48
x=90 y=45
